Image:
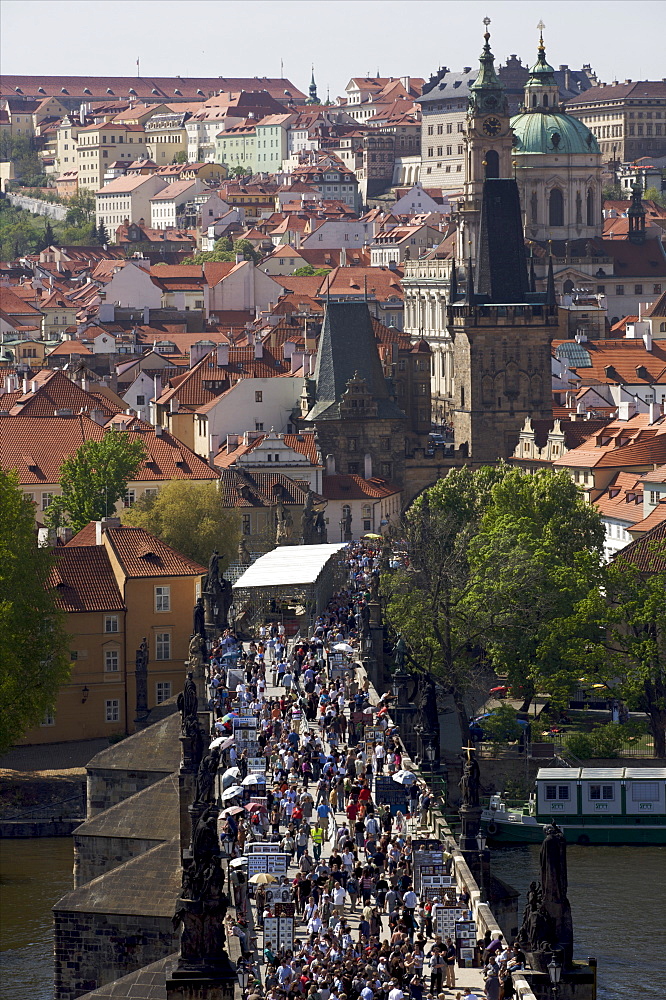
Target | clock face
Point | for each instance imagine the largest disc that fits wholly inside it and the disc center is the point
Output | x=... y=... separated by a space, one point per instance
x=492 y=126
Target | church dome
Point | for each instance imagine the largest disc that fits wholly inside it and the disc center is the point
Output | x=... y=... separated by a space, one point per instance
x=542 y=131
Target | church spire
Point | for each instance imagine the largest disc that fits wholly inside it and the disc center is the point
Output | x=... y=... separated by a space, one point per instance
x=487 y=93
x=541 y=90
x=312 y=90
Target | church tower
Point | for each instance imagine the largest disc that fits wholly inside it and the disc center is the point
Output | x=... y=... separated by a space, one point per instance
x=489 y=142
x=501 y=333
x=312 y=91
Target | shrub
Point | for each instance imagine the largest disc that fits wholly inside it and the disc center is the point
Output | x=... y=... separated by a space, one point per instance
x=502 y=726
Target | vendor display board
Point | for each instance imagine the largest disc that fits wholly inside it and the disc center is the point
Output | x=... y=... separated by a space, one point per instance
x=245 y=734
x=256 y=765
x=246 y=712
x=389 y=793
x=429 y=845
x=441 y=894
x=279 y=934
x=444 y=920
x=374 y=734
x=423 y=870
x=427 y=859
x=234 y=678
x=466 y=944
x=276 y=895
x=275 y=864
x=261 y=847
x=285 y=910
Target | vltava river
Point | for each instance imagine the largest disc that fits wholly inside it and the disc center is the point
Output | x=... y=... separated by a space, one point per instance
x=618 y=907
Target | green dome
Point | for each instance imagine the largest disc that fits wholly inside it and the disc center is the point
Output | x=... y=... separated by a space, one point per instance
x=541 y=131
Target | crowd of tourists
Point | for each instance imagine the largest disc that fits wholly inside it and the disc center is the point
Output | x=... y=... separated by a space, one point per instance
x=361 y=929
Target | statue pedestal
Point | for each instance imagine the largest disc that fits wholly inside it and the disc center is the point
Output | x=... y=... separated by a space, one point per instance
x=375 y=609
x=577 y=983
x=470 y=819
x=214 y=982
x=404 y=716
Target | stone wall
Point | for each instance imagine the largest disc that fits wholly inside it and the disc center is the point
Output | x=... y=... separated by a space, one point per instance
x=93 y=856
x=37 y=206
x=92 y=949
x=108 y=787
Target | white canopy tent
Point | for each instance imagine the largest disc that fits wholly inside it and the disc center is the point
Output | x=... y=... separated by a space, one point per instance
x=306 y=574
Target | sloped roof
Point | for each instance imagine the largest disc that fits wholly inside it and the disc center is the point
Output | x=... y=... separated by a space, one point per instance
x=58 y=392
x=347 y=346
x=259 y=489
x=82 y=580
x=350 y=487
x=648 y=553
x=142 y=555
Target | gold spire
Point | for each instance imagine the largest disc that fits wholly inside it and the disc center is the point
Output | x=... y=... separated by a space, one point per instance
x=540 y=27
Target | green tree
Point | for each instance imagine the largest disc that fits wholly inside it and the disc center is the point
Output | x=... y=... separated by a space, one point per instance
x=652 y=194
x=616 y=636
x=427 y=603
x=81 y=209
x=240 y=171
x=33 y=642
x=239 y=247
x=95 y=478
x=180 y=157
x=308 y=271
x=536 y=553
x=102 y=235
x=190 y=517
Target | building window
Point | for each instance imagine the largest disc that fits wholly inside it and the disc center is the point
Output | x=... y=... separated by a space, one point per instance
x=162 y=691
x=111 y=623
x=162 y=598
x=387 y=470
x=49 y=718
x=151 y=492
x=140 y=400
x=352 y=468
x=258 y=427
x=130 y=498
x=638 y=289
x=619 y=289
x=247 y=529
x=111 y=664
x=599 y=792
x=258 y=397
x=47 y=500
x=163 y=645
x=112 y=710
x=556 y=208
x=644 y=791
x=560 y=792
x=352 y=444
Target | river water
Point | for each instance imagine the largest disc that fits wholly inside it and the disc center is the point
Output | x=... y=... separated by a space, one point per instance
x=34 y=874
x=618 y=907
x=616 y=894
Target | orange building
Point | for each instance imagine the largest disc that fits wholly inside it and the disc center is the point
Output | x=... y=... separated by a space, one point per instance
x=117 y=586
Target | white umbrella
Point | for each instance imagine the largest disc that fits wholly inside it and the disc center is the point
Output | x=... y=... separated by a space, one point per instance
x=234 y=771
x=404 y=777
x=344 y=647
x=254 y=779
x=238 y=862
x=230 y=777
x=223 y=742
x=231 y=793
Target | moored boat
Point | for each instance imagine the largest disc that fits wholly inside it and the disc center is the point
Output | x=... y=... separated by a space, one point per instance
x=592 y=805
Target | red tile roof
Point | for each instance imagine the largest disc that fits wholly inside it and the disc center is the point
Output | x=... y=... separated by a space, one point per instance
x=648 y=553
x=83 y=580
x=57 y=392
x=141 y=555
x=350 y=487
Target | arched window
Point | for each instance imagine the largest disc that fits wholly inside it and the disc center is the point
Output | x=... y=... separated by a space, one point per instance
x=662 y=328
x=545 y=100
x=556 y=208
x=590 y=207
x=534 y=100
x=492 y=163
x=568 y=286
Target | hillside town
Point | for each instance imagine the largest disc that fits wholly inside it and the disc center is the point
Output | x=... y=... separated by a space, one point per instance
x=337 y=337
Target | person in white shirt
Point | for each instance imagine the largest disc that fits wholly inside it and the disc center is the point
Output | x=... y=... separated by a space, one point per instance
x=339 y=896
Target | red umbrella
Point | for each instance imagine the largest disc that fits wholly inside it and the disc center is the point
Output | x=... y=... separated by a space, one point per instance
x=496 y=690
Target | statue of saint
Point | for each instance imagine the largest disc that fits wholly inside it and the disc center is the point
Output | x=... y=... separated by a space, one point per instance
x=285 y=524
x=205 y=782
x=470 y=780
x=244 y=557
x=142 y=656
x=199 y=619
x=188 y=704
x=308 y=518
x=347 y=526
x=320 y=527
x=399 y=652
x=213 y=578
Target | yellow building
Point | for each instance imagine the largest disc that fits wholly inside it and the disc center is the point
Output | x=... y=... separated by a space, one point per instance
x=119 y=585
x=100 y=145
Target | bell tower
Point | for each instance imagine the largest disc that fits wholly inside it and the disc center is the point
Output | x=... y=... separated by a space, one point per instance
x=489 y=144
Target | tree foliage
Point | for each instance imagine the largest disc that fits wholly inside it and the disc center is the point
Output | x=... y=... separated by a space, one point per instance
x=21 y=151
x=308 y=271
x=22 y=233
x=95 y=478
x=81 y=209
x=225 y=251
x=33 y=643
x=190 y=517
x=616 y=636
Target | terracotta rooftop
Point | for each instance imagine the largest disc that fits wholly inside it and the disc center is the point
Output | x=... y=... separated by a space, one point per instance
x=350 y=487
x=141 y=555
x=648 y=553
x=83 y=580
x=259 y=489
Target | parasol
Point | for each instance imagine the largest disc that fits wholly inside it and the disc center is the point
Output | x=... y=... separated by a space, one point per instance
x=231 y=793
x=262 y=878
x=404 y=777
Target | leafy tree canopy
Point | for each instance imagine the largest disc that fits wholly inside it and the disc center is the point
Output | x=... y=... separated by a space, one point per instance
x=33 y=643
x=95 y=478
x=240 y=246
x=189 y=517
x=308 y=271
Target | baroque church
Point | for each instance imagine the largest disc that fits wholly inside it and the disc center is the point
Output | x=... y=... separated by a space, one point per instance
x=536 y=175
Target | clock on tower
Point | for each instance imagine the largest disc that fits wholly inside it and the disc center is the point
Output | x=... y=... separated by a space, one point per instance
x=489 y=144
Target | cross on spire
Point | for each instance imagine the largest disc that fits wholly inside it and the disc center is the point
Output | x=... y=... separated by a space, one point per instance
x=540 y=27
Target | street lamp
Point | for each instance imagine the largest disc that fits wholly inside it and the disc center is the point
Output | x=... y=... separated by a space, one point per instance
x=481 y=841
x=555 y=974
x=481 y=844
x=243 y=978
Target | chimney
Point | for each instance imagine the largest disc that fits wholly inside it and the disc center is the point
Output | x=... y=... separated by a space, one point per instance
x=330 y=465
x=626 y=410
x=157 y=387
x=240 y=258
x=343 y=257
x=258 y=349
x=222 y=355
x=655 y=412
x=146 y=315
x=288 y=349
x=197 y=352
x=367 y=467
x=173 y=405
